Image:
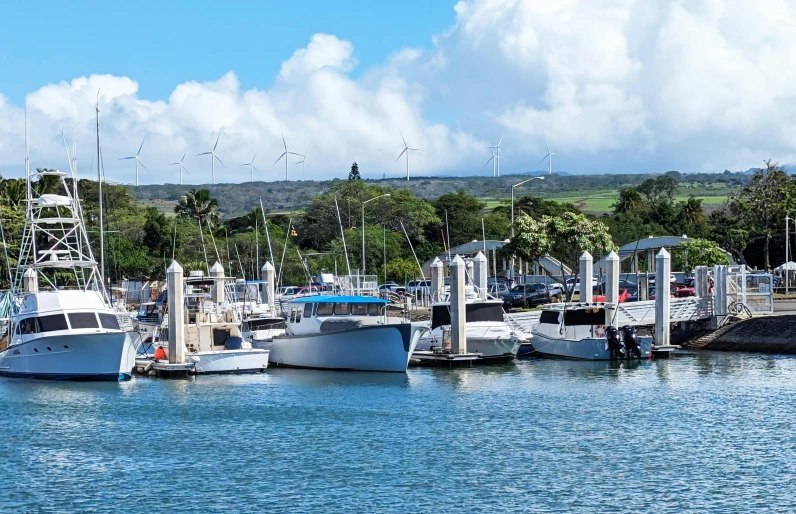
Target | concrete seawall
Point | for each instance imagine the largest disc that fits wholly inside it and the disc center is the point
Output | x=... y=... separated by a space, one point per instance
x=769 y=334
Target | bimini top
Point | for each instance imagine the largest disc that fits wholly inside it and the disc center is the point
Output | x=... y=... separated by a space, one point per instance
x=338 y=299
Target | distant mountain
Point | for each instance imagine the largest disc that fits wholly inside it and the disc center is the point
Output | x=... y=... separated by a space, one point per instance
x=790 y=169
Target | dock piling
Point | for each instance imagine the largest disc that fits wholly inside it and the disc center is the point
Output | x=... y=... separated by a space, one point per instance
x=663 y=266
x=611 y=288
x=586 y=273
x=217 y=291
x=176 y=305
x=480 y=274
x=437 y=279
x=268 y=275
x=457 y=306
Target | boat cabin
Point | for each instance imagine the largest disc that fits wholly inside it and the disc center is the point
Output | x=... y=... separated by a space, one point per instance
x=572 y=321
x=486 y=311
x=314 y=314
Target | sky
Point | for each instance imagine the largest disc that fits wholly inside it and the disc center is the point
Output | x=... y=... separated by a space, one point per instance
x=610 y=85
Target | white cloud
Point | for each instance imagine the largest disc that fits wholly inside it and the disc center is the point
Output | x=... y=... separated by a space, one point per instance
x=644 y=85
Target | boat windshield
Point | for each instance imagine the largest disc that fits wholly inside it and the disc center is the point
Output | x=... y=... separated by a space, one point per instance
x=584 y=317
x=440 y=314
x=349 y=308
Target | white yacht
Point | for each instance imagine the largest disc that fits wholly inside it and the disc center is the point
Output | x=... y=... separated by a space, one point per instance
x=64 y=326
x=343 y=333
x=578 y=331
x=486 y=330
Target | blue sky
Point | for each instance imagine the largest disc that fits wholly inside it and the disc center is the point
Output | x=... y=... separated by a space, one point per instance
x=613 y=87
x=162 y=44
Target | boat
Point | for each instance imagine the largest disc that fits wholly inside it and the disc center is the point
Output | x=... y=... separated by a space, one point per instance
x=486 y=330
x=64 y=325
x=578 y=331
x=259 y=322
x=351 y=333
x=213 y=338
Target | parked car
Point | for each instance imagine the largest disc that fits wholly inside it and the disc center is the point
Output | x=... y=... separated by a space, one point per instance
x=418 y=287
x=572 y=284
x=527 y=295
x=556 y=289
x=497 y=290
x=391 y=287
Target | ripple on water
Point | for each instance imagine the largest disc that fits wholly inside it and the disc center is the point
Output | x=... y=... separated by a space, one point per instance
x=702 y=432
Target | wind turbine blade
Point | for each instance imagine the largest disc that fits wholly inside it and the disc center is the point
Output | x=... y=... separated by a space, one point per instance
x=402 y=138
x=174 y=163
x=548 y=147
x=280 y=157
x=245 y=164
x=205 y=153
x=553 y=154
x=219 y=137
x=140 y=147
x=125 y=158
x=219 y=160
x=183 y=155
x=142 y=165
x=283 y=141
x=400 y=154
x=255 y=167
x=487 y=162
x=501 y=140
x=296 y=154
x=254 y=158
x=307 y=165
x=543 y=158
x=417 y=149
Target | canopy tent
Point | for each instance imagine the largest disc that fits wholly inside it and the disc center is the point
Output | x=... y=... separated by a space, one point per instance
x=790 y=265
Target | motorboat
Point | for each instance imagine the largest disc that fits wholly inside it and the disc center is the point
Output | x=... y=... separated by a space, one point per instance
x=213 y=337
x=343 y=333
x=486 y=330
x=579 y=331
x=63 y=325
x=259 y=321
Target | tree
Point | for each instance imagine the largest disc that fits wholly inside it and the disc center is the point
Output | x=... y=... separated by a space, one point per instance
x=198 y=204
x=630 y=201
x=463 y=217
x=354 y=173
x=759 y=207
x=564 y=237
x=697 y=252
x=12 y=191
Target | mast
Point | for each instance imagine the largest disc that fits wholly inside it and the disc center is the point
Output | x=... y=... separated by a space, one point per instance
x=99 y=186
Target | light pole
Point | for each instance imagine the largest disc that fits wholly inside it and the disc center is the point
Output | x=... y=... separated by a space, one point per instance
x=512 y=216
x=363 y=227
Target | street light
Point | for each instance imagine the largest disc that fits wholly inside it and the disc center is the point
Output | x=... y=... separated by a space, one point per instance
x=363 y=227
x=511 y=264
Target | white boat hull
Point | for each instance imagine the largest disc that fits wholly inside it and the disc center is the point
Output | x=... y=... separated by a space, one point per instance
x=369 y=348
x=594 y=348
x=493 y=341
x=229 y=361
x=100 y=356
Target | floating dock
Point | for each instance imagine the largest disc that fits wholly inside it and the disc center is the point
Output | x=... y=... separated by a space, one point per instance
x=443 y=359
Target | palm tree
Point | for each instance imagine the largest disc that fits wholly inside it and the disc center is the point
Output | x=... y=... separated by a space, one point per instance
x=48 y=184
x=198 y=204
x=12 y=191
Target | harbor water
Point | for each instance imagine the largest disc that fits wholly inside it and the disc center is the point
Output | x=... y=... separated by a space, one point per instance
x=703 y=432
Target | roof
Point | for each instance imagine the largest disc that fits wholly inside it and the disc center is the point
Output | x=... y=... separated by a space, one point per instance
x=338 y=299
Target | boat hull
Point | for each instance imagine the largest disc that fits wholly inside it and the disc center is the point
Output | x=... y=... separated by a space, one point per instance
x=100 y=356
x=370 y=348
x=494 y=342
x=230 y=361
x=590 y=349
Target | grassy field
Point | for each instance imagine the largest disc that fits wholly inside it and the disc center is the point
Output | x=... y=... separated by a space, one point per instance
x=598 y=202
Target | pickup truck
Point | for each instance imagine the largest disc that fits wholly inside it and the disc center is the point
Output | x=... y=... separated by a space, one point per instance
x=527 y=295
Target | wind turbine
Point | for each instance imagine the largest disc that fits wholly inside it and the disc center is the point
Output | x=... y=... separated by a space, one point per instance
x=213 y=157
x=304 y=165
x=251 y=165
x=180 y=165
x=137 y=160
x=550 y=161
x=406 y=151
x=285 y=155
x=495 y=159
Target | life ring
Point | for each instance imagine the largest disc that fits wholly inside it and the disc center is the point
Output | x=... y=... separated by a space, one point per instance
x=599 y=331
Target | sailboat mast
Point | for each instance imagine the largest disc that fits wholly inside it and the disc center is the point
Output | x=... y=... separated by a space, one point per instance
x=99 y=187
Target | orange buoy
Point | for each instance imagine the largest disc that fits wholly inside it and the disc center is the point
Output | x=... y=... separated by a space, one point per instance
x=160 y=353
